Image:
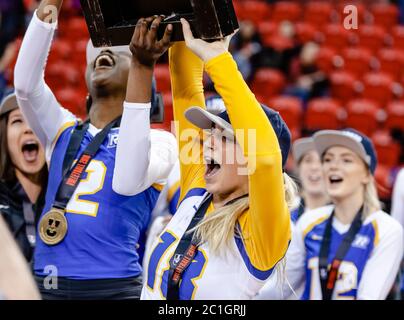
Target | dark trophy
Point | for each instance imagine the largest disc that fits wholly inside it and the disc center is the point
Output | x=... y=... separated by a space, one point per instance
x=112 y=22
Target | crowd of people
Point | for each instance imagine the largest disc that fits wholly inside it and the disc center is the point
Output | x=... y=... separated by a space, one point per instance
x=109 y=208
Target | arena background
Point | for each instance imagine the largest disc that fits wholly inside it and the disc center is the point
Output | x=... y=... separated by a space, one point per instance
x=298 y=57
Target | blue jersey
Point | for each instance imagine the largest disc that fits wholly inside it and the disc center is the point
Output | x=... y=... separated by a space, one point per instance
x=370 y=265
x=103 y=226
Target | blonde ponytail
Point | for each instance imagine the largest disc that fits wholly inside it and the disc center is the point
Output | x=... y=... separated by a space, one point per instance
x=219 y=228
x=371 y=202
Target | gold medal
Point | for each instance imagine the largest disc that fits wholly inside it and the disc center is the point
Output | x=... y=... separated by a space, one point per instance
x=53 y=227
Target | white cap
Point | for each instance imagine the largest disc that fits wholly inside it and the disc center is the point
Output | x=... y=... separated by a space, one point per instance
x=93 y=52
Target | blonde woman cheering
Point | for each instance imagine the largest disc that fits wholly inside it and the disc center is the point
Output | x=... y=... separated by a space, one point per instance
x=350 y=249
x=232 y=225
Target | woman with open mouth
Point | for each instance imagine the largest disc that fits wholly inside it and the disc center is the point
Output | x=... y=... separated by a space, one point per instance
x=23 y=175
x=232 y=224
x=350 y=249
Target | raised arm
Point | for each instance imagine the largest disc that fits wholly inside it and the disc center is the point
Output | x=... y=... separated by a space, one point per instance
x=139 y=164
x=36 y=100
x=266 y=227
x=186 y=70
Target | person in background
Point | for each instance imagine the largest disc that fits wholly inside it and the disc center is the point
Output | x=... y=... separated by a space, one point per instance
x=397 y=211
x=308 y=80
x=23 y=175
x=350 y=249
x=313 y=194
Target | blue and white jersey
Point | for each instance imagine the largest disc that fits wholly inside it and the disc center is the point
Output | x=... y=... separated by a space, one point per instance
x=103 y=226
x=200 y=280
x=370 y=265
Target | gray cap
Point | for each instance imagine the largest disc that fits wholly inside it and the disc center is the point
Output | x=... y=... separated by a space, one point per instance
x=8 y=104
x=301 y=147
x=348 y=138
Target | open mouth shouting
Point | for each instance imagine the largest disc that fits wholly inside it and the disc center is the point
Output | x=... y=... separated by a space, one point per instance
x=30 y=150
x=104 y=61
x=335 y=180
x=212 y=168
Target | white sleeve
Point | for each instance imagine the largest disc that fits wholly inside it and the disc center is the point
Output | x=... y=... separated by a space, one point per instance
x=283 y=285
x=144 y=156
x=37 y=102
x=397 y=210
x=382 y=267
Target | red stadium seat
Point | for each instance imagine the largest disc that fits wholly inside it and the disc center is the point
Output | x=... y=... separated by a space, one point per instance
x=384 y=182
x=267 y=28
x=306 y=32
x=343 y=86
x=318 y=13
x=357 y=60
x=286 y=10
x=361 y=10
x=78 y=28
x=385 y=15
x=388 y=151
x=323 y=113
x=391 y=62
x=336 y=36
x=378 y=87
x=72 y=99
x=291 y=110
x=255 y=11
x=398 y=37
x=162 y=74
x=268 y=82
x=371 y=37
x=278 y=42
x=60 y=50
x=362 y=115
x=395 y=115
x=325 y=59
x=61 y=75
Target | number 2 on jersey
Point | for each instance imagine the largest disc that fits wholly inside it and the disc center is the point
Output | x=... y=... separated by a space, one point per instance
x=93 y=183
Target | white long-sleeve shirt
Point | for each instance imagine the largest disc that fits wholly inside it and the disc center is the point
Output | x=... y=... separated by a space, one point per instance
x=397 y=209
x=367 y=272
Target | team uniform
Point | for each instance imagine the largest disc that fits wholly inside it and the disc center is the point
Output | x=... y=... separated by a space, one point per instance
x=368 y=270
x=397 y=209
x=104 y=226
x=265 y=226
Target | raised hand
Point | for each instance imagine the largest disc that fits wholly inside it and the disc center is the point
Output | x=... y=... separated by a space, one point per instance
x=204 y=50
x=145 y=47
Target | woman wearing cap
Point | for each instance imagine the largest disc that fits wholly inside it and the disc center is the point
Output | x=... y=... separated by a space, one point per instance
x=308 y=167
x=23 y=175
x=236 y=212
x=350 y=249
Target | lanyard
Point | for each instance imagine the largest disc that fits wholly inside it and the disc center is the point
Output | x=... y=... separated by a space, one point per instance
x=328 y=278
x=72 y=177
x=187 y=250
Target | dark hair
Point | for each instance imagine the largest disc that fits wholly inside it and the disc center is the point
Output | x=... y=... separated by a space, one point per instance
x=7 y=167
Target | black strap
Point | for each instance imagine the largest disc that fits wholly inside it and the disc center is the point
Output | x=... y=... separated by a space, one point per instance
x=72 y=174
x=328 y=278
x=187 y=250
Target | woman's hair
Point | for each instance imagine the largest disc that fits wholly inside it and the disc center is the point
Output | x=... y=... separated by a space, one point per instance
x=7 y=169
x=219 y=228
x=371 y=199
